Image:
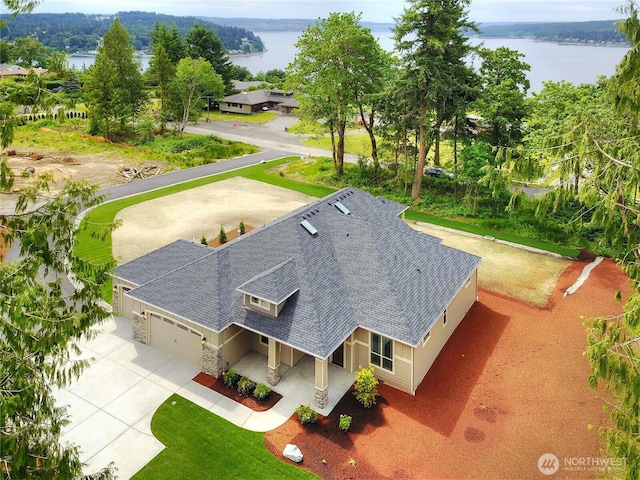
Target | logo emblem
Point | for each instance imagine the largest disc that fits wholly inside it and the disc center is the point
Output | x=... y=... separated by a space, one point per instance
x=548 y=464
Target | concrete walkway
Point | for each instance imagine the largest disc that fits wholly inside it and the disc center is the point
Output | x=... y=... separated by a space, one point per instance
x=111 y=405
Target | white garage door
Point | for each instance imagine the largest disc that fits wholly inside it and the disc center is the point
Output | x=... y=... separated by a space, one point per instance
x=175 y=338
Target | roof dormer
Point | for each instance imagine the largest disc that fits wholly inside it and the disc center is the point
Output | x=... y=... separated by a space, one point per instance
x=267 y=292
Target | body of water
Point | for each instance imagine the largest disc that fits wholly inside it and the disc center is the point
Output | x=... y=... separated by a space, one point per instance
x=549 y=61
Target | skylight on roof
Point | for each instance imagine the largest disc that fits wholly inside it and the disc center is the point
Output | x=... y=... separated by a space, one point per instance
x=308 y=227
x=342 y=208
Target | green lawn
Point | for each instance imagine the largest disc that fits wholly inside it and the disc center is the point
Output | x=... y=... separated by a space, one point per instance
x=355 y=144
x=201 y=445
x=258 y=117
x=507 y=237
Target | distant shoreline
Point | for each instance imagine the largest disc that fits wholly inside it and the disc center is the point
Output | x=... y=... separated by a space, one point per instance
x=557 y=42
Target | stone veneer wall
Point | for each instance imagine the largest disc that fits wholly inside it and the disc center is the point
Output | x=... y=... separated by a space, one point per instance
x=212 y=360
x=139 y=327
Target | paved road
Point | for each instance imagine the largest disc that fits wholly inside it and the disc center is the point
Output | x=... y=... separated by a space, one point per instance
x=272 y=137
x=181 y=176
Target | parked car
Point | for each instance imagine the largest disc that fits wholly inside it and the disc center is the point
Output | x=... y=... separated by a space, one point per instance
x=438 y=172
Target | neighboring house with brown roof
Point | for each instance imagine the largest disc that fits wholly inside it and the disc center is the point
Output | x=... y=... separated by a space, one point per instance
x=344 y=280
x=8 y=70
x=252 y=101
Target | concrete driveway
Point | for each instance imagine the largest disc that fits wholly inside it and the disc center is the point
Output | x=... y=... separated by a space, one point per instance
x=111 y=405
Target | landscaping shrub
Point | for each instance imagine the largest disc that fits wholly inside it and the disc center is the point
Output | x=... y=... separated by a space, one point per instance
x=223 y=235
x=261 y=391
x=345 y=423
x=366 y=386
x=203 y=240
x=230 y=378
x=306 y=415
x=246 y=386
x=241 y=228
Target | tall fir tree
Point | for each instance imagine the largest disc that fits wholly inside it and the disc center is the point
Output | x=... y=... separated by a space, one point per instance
x=115 y=91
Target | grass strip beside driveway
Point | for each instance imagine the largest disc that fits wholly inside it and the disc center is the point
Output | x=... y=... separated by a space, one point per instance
x=202 y=445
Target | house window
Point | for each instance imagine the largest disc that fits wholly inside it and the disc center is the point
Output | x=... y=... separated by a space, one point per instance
x=444 y=318
x=426 y=337
x=258 y=302
x=382 y=351
x=264 y=340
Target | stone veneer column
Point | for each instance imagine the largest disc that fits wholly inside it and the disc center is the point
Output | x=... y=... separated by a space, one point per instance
x=321 y=397
x=212 y=360
x=139 y=327
x=273 y=363
x=115 y=300
x=273 y=375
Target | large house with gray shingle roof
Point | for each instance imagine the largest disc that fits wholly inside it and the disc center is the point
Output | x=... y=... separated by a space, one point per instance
x=344 y=280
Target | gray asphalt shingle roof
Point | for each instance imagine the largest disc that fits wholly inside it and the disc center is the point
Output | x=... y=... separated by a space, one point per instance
x=274 y=285
x=367 y=269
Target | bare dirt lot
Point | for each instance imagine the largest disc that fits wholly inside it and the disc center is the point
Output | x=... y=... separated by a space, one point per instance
x=513 y=272
x=200 y=211
x=98 y=170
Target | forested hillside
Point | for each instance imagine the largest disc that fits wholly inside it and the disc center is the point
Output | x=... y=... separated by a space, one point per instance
x=77 y=31
x=605 y=31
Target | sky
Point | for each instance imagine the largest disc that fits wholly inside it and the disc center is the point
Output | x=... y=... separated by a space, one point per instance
x=382 y=11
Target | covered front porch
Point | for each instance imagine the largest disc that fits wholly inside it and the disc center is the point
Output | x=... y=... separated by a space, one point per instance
x=298 y=382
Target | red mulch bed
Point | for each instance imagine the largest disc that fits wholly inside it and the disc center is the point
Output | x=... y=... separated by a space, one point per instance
x=232 y=234
x=509 y=386
x=252 y=402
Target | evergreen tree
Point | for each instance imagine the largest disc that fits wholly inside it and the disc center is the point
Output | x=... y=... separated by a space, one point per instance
x=222 y=236
x=115 y=91
x=433 y=49
x=161 y=72
x=42 y=318
x=205 y=43
x=170 y=39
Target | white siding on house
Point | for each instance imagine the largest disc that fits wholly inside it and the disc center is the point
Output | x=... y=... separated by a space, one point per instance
x=427 y=352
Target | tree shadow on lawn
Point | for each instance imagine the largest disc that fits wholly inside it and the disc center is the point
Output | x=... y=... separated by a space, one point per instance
x=443 y=394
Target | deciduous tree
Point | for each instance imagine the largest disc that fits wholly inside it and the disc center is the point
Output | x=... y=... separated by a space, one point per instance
x=504 y=90
x=193 y=79
x=337 y=65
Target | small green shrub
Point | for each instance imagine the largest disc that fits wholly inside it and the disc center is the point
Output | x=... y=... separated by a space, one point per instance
x=261 y=391
x=222 y=236
x=241 y=228
x=306 y=415
x=246 y=386
x=366 y=386
x=345 y=423
x=230 y=378
x=203 y=240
